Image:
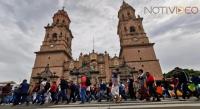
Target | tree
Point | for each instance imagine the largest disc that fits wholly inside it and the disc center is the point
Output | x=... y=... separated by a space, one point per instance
x=190 y=72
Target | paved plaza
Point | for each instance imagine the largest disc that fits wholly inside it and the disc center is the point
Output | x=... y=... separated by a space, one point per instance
x=164 y=104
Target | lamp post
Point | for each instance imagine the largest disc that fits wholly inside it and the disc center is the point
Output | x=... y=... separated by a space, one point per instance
x=77 y=73
x=54 y=76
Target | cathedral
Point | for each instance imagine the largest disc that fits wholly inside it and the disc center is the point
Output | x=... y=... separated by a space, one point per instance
x=54 y=59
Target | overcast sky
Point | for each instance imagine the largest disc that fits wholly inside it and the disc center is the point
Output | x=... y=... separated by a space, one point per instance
x=177 y=36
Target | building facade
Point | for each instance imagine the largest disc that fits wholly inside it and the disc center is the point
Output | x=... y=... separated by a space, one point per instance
x=54 y=59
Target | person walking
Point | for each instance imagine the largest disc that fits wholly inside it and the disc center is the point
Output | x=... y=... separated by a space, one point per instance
x=63 y=90
x=83 y=87
x=41 y=95
x=24 y=92
x=54 y=91
x=183 y=81
x=6 y=90
x=35 y=92
x=115 y=86
x=143 y=87
x=73 y=91
x=122 y=91
x=150 y=84
x=166 y=86
x=175 y=83
x=102 y=89
x=131 y=89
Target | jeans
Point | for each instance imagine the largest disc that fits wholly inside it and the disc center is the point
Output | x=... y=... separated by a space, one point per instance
x=24 y=98
x=63 y=95
x=16 y=98
x=123 y=94
x=101 y=95
x=72 y=97
x=54 y=96
x=36 y=97
x=83 y=95
x=41 y=97
x=166 y=92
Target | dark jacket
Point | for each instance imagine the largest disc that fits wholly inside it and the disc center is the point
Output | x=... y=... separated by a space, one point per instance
x=24 y=87
x=196 y=80
x=63 y=84
x=183 y=77
x=102 y=86
x=47 y=86
x=130 y=84
x=73 y=87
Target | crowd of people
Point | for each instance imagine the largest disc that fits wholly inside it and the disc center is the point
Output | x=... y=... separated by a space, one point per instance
x=145 y=87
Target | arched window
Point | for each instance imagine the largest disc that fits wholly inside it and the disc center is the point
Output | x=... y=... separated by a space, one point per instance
x=128 y=14
x=57 y=21
x=60 y=34
x=132 y=29
x=54 y=36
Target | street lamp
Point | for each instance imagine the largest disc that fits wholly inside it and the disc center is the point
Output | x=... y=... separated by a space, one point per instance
x=77 y=73
x=54 y=76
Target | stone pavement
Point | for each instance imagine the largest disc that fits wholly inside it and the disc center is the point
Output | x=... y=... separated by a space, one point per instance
x=164 y=104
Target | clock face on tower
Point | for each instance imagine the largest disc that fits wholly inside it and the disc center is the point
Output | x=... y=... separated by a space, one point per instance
x=51 y=45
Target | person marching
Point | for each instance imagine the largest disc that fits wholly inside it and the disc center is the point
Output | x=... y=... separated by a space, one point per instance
x=143 y=87
x=115 y=86
x=150 y=84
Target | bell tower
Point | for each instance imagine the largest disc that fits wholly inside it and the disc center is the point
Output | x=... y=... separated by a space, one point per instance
x=56 y=46
x=130 y=28
x=58 y=36
x=135 y=47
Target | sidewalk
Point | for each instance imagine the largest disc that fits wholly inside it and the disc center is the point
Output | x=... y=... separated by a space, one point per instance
x=105 y=105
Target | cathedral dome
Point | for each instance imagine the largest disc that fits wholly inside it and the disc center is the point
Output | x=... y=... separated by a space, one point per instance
x=125 y=6
x=126 y=12
x=61 y=13
x=61 y=17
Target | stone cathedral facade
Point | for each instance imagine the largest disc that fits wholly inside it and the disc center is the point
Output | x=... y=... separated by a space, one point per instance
x=54 y=59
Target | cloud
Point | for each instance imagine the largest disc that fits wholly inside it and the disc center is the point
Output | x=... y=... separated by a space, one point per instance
x=22 y=31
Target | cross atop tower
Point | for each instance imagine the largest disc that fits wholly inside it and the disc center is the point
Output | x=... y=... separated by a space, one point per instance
x=124 y=1
x=63 y=8
x=93 y=44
